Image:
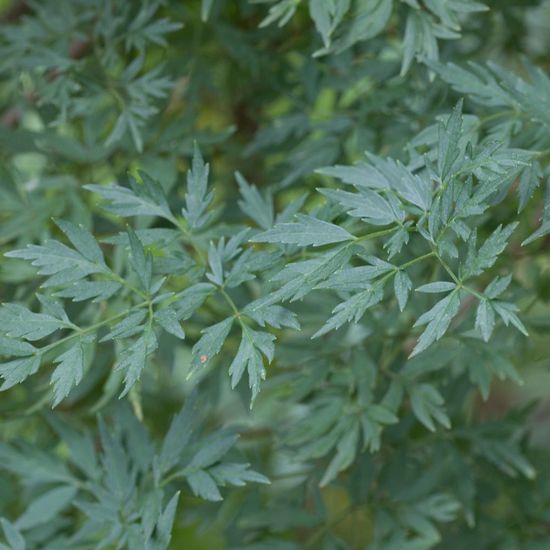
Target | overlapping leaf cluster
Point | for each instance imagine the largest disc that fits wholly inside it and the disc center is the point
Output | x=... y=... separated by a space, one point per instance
x=299 y=344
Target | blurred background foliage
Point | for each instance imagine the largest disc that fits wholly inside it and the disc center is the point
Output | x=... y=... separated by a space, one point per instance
x=91 y=90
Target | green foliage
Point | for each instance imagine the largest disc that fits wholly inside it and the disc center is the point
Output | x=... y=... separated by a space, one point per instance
x=332 y=333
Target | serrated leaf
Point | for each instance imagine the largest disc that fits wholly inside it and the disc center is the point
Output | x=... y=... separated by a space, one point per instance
x=436 y=287
x=197 y=198
x=216 y=265
x=488 y=253
x=255 y=205
x=210 y=343
x=16 y=371
x=308 y=231
x=359 y=175
x=438 y=320
x=203 y=485
x=166 y=521
x=497 y=286
x=60 y=263
x=402 y=285
x=543 y=230
x=507 y=313
x=167 y=318
x=485 y=319
x=413 y=188
x=15 y=348
x=212 y=451
x=133 y=359
x=356 y=278
x=352 y=309
x=395 y=243
x=145 y=199
x=140 y=260
x=83 y=241
x=304 y=276
x=191 y=299
x=367 y=205
x=68 y=373
x=19 y=322
x=449 y=138
x=236 y=475
x=249 y=358
x=97 y=291
x=129 y=326
x=530 y=179
x=274 y=315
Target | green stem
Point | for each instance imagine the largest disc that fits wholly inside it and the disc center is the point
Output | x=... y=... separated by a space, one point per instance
x=416 y=260
x=458 y=282
x=81 y=331
x=448 y=269
x=231 y=303
x=123 y=282
x=376 y=234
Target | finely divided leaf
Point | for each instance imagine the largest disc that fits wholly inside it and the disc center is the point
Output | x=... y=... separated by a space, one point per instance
x=303 y=276
x=68 y=373
x=448 y=148
x=62 y=264
x=146 y=199
x=210 y=343
x=507 y=313
x=249 y=358
x=16 y=371
x=197 y=198
x=367 y=205
x=15 y=348
x=255 y=205
x=485 y=319
x=140 y=260
x=438 y=286
x=133 y=359
x=402 y=285
x=167 y=318
x=19 y=322
x=274 y=315
x=353 y=308
x=438 y=320
x=96 y=291
x=308 y=231
x=487 y=255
